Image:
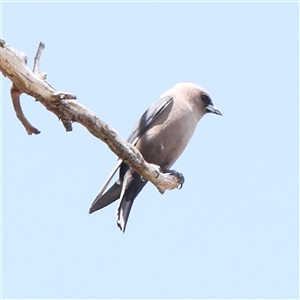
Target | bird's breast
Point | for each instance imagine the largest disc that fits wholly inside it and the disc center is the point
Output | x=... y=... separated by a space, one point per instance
x=166 y=139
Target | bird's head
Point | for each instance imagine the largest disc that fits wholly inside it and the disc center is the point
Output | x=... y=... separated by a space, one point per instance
x=198 y=98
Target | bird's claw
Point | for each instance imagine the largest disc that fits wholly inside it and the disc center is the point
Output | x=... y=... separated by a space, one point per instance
x=179 y=176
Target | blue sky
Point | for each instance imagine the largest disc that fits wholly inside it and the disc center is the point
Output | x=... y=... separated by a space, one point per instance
x=232 y=231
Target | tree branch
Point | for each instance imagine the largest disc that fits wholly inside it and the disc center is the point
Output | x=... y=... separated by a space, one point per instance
x=64 y=106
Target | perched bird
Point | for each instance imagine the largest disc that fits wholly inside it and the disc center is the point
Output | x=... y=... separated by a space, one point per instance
x=161 y=135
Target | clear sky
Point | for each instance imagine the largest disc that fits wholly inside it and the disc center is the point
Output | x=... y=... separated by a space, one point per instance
x=232 y=231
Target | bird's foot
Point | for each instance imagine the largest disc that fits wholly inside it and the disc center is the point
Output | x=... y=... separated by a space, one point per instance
x=179 y=176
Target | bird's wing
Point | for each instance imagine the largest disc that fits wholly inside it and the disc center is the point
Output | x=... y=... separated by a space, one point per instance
x=140 y=128
x=148 y=118
x=100 y=204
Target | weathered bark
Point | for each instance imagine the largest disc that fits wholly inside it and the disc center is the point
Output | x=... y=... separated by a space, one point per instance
x=64 y=106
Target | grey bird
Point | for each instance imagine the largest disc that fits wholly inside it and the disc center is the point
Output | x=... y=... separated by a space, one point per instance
x=161 y=135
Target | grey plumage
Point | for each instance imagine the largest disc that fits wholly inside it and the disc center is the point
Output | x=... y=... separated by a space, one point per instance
x=161 y=135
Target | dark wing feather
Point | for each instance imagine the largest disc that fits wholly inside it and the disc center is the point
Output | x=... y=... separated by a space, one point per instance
x=148 y=117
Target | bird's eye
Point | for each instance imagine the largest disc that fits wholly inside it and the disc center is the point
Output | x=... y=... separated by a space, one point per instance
x=205 y=98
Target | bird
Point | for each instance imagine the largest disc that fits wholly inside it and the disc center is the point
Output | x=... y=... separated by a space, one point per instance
x=161 y=135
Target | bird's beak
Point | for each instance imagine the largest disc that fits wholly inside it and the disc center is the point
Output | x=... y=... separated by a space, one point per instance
x=212 y=109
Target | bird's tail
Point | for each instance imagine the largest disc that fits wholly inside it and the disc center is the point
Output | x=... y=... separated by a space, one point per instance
x=132 y=185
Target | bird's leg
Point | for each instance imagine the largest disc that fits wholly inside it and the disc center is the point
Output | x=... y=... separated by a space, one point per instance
x=179 y=176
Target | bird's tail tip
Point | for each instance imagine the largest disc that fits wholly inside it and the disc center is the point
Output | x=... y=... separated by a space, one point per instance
x=121 y=225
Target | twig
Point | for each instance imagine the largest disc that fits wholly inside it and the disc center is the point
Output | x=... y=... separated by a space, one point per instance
x=15 y=96
x=37 y=57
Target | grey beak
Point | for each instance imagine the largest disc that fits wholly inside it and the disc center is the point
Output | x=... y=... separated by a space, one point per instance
x=212 y=109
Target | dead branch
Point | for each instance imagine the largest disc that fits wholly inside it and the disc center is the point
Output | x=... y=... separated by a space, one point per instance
x=64 y=106
x=15 y=96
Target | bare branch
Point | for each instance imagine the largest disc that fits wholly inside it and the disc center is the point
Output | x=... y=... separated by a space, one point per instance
x=15 y=96
x=37 y=58
x=64 y=106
